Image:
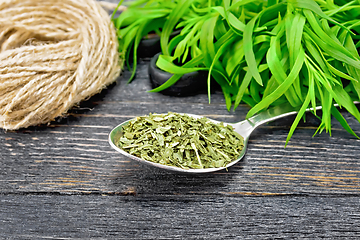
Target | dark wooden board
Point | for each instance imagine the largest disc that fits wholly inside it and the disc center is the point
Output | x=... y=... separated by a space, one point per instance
x=72 y=155
x=176 y=217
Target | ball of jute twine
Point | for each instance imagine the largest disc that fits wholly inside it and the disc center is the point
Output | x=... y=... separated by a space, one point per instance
x=53 y=55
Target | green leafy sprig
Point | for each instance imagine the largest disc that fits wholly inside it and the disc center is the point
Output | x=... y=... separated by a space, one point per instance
x=262 y=53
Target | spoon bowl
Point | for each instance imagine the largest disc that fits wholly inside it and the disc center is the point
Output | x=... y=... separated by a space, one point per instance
x=244 y=128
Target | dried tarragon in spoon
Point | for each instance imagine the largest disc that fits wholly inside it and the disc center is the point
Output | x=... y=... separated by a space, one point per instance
x=179 y=140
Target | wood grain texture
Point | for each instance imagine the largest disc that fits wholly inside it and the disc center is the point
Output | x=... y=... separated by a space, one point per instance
x=169 y=217
x=72 y=155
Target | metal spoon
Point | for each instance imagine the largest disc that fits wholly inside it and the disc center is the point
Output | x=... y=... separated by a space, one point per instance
x=244 y=128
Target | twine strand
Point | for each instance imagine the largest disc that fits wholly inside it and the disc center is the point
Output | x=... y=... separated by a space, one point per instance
x=53 y=55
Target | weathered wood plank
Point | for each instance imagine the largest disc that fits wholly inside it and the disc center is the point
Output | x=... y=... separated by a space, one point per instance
x=176 y=217
x=72 y=155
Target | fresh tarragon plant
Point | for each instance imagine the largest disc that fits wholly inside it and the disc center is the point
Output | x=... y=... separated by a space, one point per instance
x=262 y=53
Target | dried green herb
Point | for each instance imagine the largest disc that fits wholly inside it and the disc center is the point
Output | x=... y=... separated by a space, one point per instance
x=180 y=140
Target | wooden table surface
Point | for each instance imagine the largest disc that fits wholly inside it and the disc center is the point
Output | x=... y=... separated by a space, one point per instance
x=64 y=181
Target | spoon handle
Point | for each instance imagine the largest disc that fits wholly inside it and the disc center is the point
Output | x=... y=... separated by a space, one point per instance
x=271 y=114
